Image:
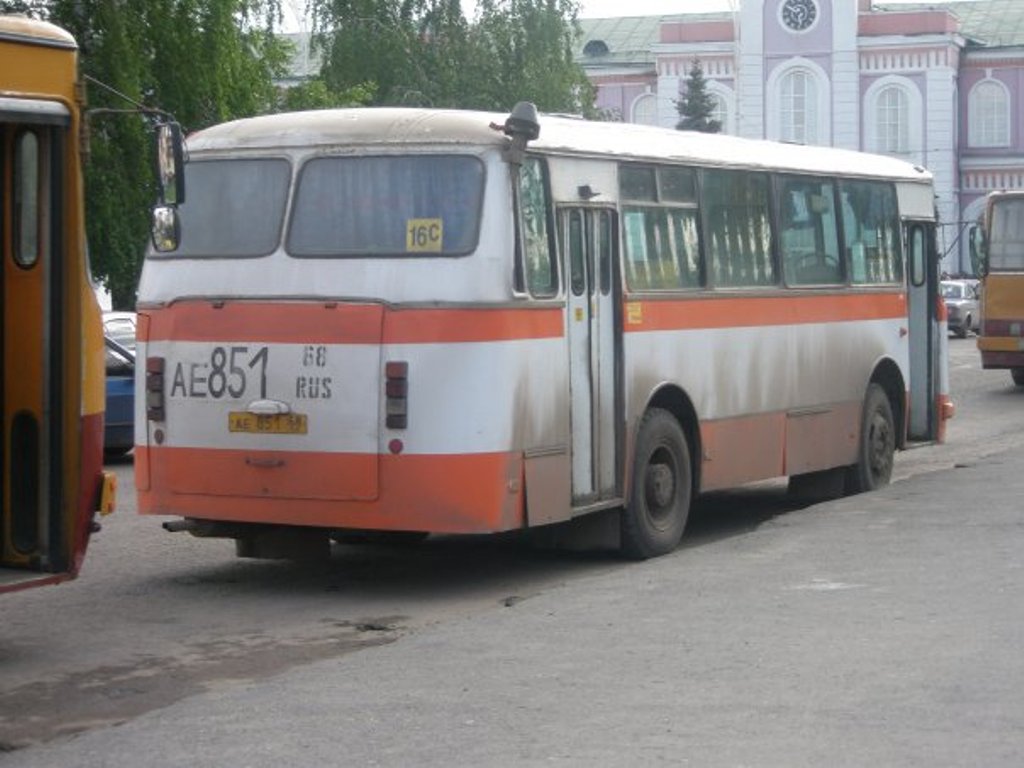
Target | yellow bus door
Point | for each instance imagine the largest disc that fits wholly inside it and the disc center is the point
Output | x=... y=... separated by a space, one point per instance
x=33 y=531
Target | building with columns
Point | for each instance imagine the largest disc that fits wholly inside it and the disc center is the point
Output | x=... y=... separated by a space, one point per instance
x=940 y=85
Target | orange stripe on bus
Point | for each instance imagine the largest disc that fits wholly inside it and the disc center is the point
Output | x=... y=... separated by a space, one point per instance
x=733 y=312
x=457 y=493
x=282 y=322
x=422 y=326
x=337 y=323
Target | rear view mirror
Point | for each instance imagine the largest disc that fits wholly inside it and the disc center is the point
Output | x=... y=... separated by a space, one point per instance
x=979 y=251
x=166 y=228
x=170 y=160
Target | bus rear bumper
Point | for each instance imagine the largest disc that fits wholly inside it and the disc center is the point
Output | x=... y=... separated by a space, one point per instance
x=1002 y=359
x=458 y=493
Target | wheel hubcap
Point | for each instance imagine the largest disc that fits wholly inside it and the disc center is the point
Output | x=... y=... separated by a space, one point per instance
x=659 y=488
x=880 y=447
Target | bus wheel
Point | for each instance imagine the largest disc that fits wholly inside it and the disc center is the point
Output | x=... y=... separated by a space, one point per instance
x=655 y=516
x=1018 y=376
x=877 y=444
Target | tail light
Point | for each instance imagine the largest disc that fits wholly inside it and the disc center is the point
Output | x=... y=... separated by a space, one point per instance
x=396 y=390
x=155 y=389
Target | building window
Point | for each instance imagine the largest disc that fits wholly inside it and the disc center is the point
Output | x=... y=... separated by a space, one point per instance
x=645 y=110
x=798 y=108
x=989 y=115
x=719 y=112
x=892 y=116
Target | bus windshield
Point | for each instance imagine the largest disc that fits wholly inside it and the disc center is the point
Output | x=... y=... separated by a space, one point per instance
x=387 y=206
x=1006 y=241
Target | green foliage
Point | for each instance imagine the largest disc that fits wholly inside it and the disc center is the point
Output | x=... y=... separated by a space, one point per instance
x=425 y=52
x=697 y=106
x=207 y=61
x=204 y=61
x=314 y=94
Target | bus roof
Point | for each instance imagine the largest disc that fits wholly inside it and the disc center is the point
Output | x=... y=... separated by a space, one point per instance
x=382 y=127
x=25 y=30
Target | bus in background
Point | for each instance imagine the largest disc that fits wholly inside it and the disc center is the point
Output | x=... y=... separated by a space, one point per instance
x=997 y=250
x=52 y=482
x=425 y=321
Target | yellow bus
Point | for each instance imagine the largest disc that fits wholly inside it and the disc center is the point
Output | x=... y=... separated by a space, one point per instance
x=999 y=260
x=52 y=482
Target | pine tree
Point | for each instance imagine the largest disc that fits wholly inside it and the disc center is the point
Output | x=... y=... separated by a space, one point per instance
x=697 y=105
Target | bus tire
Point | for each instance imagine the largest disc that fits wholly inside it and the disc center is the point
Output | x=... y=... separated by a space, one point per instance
x=654 y=518
x=877 y=450
x=1018 y=376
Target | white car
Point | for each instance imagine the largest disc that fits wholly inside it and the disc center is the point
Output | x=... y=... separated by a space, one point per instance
x=962 y=308
x=120 y=326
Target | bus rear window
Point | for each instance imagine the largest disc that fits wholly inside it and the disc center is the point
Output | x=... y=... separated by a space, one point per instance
x=402 y=205
x=234 y=207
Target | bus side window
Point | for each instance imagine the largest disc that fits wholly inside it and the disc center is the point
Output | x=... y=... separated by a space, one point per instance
x=537 y=255
x=27 y=185
x=808 y=235
x=871 y=232
x=739 y=228
x=660 y=227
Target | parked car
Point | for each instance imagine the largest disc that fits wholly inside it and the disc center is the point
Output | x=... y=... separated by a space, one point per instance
x=961 y=297
x=120 y=326
x=119 y=422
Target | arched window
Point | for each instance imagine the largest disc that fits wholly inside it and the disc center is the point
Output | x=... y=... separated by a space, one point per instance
x=798 y=107
x=988 y=110
x=645 y=110
x=720 y=112
x=892 y=116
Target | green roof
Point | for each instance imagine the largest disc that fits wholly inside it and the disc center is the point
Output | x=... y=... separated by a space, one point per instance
x=628 y=40
x=993 y=23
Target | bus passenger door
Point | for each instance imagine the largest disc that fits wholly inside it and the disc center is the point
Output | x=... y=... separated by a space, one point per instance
x=925 y=345
x=589 y=245
x=32 y=346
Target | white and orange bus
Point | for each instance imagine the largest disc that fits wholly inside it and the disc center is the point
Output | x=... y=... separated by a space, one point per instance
x=444 y=321
x=999 y=260
x=52 y=483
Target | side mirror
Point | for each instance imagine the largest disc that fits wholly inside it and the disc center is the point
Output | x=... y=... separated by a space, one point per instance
x=170 y=161
x=979 y=251
x=166 y=228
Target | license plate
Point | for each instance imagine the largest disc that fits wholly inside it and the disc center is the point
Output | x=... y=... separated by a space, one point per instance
x=267 y=424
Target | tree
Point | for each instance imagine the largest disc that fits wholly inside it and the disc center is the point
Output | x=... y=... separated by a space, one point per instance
x=697 y=106
x=204 y=61
x=425 y=52
x=526 y=53
x=314 y=94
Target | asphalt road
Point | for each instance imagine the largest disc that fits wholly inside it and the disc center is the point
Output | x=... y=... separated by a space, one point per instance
x=882 y=628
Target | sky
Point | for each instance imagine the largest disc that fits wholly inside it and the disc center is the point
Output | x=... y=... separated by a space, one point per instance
x=599 y=8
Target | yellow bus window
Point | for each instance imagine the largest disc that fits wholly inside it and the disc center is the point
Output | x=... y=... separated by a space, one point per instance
x=26 y=199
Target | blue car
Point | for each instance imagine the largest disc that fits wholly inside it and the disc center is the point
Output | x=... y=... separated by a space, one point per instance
x=119 y=429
